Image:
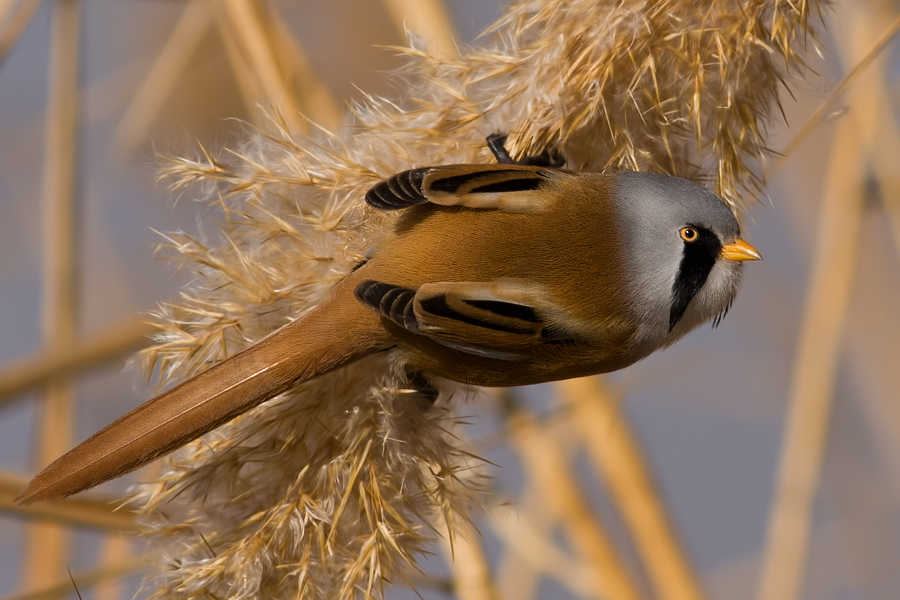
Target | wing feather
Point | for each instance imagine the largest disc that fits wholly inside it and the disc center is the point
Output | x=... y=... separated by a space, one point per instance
x=499 y=319
x=510 y=188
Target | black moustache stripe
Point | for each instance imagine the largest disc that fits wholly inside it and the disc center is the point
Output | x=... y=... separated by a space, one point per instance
x=697 y=261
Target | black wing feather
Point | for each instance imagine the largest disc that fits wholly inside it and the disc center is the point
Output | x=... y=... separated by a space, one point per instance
x=399 y=191
x=390 y=301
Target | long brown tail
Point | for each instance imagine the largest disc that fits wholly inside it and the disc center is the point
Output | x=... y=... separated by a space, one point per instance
x=333 y=335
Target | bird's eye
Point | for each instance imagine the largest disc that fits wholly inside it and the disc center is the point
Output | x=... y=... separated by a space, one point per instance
x=689 y=234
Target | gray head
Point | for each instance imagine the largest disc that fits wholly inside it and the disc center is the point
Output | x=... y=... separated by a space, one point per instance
x=683 y=246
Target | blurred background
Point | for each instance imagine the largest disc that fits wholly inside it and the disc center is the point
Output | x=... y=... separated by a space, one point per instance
x=757 y=460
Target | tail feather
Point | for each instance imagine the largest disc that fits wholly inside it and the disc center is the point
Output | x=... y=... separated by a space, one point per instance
x=313 y=345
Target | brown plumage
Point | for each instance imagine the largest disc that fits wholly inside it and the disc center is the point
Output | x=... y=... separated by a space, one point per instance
x=496 y=275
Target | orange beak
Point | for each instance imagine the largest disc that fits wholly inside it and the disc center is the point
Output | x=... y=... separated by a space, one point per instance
x=740 y=250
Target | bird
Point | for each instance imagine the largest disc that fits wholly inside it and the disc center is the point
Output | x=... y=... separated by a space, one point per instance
x=499 y=275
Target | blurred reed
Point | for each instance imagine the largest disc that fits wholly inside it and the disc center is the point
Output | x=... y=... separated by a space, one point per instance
x=548 y=471
x=156 y=86
x=46 y=544
x=87 y=511
x=617 y=458
x=836 y=257
x=14 y=20
x=66 y=586
x=98 y=350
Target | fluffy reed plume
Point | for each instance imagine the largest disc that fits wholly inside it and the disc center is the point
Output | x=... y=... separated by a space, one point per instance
x=330 y=490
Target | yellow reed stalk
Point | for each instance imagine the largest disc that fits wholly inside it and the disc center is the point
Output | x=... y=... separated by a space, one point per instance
x=315 y=97
x=246 y=21
x=109 y=345
x=821 y=112
x=6 y=8
x=64 y=588
x=873 y=366
x=175 y=56
x=546 y=470
x=88 y=511
x=239 y=66
x=874 y=112
x=427 y=19
x=812 y=386
x=526 y=533
x=531 y=553
x=809 y=408
x=46 y=547
x=15 y=25
x=617 y=457
x=116 y=548
x=468 y=564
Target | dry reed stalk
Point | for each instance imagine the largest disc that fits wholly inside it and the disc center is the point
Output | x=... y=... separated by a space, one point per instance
x=193 y=24
x=239 y=66
x=46 y=543
x=85 y=511
x=336 y=486
x=879 y=125
x=6 y=9
x=547 y=471
x=316 y=99
x=821 y=113
x=525 y=535
x=14 y=26
x=249 y=23
x=62 y=587
x=871 y=364
x=101 y=349
x=116 y=549
x=810 y=400
x=428 y=20
x=471 y=572
x=532 y=554
x=617 y=457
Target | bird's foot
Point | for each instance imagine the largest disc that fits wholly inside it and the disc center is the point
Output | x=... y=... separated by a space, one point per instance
x=497 y=143
x=425 y=392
